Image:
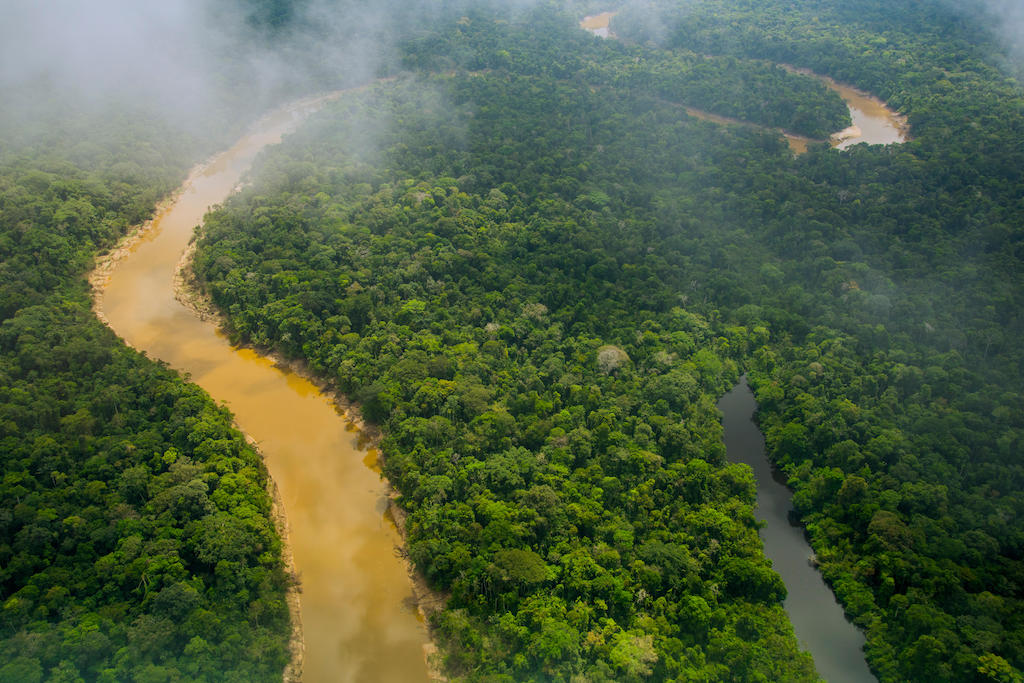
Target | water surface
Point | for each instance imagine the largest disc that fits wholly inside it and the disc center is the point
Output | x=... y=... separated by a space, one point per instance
x=358 y=616
x=873 y=121
x=598 y=24
x=818 y=619
x=877 y=124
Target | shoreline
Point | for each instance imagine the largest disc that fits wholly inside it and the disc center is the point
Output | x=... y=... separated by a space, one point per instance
x=598 y=24
x=897 y=119
x=797 y=142
x=278 y=514
x=98 y=278
x=189 y=293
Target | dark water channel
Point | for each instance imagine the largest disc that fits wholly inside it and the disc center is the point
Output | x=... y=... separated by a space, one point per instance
x=818 y=619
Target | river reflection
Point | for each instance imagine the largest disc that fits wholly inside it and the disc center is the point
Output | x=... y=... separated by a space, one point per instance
x=818 y=619
x=357 y=603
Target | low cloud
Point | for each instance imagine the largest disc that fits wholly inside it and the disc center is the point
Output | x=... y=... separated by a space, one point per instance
x=1008 y=20
x=185 y=58
x=101 y=49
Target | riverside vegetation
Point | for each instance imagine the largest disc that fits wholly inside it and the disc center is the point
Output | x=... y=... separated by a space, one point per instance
x=136 y=539
x=537 y=274
x=540 y=274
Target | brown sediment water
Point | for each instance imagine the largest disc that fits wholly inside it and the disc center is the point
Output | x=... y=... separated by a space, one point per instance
x=358 y=610
x=598 y=24
x=797 y=143
x=873 y=121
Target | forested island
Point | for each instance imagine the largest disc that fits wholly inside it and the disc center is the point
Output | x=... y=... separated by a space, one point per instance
x=537 y=274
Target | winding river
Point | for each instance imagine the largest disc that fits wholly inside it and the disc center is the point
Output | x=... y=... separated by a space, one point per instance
x=818 y=619
x=358 y=610
x=359 y=616
x=872 y=120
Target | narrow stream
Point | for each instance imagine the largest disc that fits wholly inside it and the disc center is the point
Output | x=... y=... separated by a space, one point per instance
x=358 y=613
x=818 y=618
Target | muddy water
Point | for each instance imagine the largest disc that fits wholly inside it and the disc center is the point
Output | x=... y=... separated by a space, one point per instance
x=873 y=121
x=358 y=616
x=818 y=619
x=598 y=24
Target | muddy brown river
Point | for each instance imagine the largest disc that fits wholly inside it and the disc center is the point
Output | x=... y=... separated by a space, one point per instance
x=873 y=121
x=358 y=613
x=358 y=610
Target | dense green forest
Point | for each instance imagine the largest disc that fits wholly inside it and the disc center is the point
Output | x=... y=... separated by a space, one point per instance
x=509 y=404
x=753 y=90
x=135 y=541
x=537 y=274
x=135 y=534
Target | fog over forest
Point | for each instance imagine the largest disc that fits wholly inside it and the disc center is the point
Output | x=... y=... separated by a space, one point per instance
x=177 y=57
x=182 y=59
x=534 y=260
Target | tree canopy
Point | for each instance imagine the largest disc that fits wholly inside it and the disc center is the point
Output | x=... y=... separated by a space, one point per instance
x=537 y=274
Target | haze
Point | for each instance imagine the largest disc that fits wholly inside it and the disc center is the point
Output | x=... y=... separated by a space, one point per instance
x=176 y=57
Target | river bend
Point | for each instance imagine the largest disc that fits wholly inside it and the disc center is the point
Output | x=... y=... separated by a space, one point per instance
x=358 y=613
x=358 y=608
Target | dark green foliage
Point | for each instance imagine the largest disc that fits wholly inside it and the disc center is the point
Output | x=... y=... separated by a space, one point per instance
x=894 y=404
x=135 y=540
x=539 y=44
x=138 y=522
x=539 y=275
x=549 y=410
